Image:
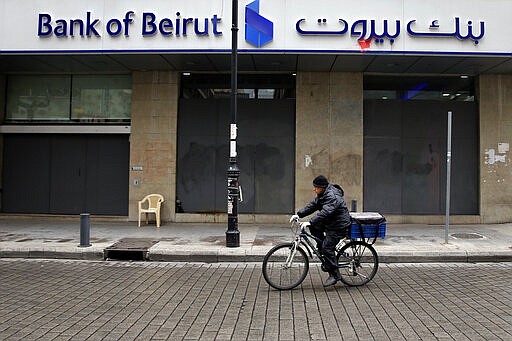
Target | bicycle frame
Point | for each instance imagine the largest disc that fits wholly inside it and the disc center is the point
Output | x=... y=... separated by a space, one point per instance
x=304 y=238
x=302 y=235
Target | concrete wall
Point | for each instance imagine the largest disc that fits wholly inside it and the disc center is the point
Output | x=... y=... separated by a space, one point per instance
x=495 y=97
x=153 y=139
x=329 y=131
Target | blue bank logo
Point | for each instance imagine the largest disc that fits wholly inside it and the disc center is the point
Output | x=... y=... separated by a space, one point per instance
x=258 y=30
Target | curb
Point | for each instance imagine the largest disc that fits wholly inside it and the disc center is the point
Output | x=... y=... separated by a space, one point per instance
x=98 y=255
x=243 y=256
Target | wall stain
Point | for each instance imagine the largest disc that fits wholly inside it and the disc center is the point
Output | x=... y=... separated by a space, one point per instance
x=348 y=167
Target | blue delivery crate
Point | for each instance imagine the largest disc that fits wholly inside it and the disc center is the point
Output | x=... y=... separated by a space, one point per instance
x=373 y=225
x=369 y=231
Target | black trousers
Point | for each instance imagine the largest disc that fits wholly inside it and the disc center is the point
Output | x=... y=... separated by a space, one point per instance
x=327 y=246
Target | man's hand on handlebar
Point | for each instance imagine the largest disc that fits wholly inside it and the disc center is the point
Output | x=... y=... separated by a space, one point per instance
x=303 y=224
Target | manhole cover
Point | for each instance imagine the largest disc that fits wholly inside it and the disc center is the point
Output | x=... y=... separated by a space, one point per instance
x=133 y=243
x=129 y=249
x=467 y=235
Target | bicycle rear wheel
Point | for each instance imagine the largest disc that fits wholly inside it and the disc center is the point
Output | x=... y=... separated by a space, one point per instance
x=282 y=270
x=358 y=263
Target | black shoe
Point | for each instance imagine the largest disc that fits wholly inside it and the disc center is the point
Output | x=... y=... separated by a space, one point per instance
x=330 y=281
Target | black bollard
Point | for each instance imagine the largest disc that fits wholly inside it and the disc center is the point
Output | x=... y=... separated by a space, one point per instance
x=85 y=229
x=354 y=206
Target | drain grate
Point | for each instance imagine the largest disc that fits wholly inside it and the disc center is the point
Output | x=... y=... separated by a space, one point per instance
x=129 y=249
x=471 y=235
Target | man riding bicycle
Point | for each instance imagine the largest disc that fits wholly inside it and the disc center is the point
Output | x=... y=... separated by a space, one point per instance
x=329 y=225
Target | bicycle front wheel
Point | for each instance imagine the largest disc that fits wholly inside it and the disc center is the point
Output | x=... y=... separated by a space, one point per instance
x=285 y=267
x=358 y=262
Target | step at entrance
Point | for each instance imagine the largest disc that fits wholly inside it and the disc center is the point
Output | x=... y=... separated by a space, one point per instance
x=129 y=249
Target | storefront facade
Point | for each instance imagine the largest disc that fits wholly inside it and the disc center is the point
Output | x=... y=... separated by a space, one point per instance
x=105 y=102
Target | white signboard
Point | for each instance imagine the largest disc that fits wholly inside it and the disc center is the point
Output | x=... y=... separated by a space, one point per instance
x=469 y=27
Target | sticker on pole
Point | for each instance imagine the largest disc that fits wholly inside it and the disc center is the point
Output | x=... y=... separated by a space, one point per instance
x=232 y=149
x=233 y=132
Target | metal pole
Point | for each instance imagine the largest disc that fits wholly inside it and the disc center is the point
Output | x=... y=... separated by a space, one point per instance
x=232 y=234
x=85 y=228
x=353 y=206
x=448 y=166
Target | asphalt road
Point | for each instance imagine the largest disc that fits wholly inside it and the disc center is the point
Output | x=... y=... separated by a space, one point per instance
x=85 y=300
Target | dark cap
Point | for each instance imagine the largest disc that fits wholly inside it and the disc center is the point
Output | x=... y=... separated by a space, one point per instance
x=320 y=181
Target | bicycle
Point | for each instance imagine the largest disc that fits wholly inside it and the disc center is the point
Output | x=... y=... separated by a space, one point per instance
x=286 y=265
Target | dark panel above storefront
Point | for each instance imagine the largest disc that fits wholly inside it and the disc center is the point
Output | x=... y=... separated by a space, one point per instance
x=368 y=63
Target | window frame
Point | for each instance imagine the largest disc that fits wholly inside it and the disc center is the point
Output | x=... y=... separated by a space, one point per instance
x=97 y=118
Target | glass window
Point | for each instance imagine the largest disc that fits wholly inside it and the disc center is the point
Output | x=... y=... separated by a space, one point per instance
x=414 y=88
x=266 y=93
x=206 y=86
x=38 y=98
x=65 y=98
x=100 y=98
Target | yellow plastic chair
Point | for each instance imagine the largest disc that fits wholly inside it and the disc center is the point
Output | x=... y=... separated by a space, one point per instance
x=154 y=203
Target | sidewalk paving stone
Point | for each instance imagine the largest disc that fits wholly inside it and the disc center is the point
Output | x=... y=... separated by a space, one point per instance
x=49 y=237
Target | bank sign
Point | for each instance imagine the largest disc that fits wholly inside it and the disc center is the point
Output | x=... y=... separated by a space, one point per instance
x=320 y=26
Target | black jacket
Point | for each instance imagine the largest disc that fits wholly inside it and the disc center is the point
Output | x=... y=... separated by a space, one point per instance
x=333 y=212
